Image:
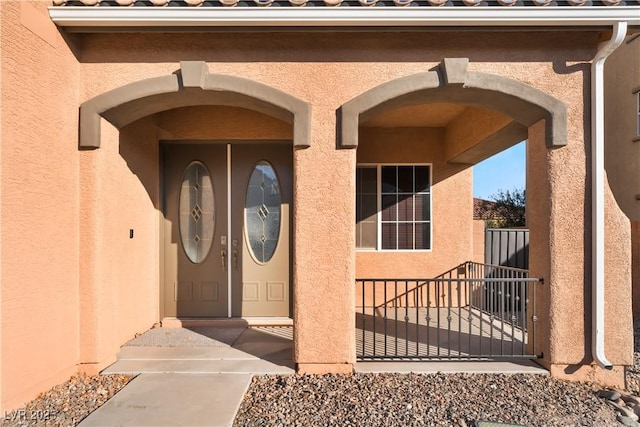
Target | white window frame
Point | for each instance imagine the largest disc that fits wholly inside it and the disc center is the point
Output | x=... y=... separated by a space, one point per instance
x=378 y=167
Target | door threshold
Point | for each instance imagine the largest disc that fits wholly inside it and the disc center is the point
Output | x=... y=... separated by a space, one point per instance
x=226 y=322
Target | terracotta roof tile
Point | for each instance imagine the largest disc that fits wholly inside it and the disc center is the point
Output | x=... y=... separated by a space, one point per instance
x=484 y=209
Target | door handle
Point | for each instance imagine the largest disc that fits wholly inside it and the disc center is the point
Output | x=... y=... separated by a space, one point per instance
x=223 y=256
x=235 y=259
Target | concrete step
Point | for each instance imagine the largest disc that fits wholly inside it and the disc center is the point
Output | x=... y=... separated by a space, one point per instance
x=183 y=366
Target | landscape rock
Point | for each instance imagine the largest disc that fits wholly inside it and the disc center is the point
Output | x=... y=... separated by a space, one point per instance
x=611 y=395
x=66 y=404
x=421 y=400
x=627 y=421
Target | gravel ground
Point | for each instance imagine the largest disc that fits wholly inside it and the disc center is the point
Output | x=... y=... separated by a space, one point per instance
x=67 y=404
x=421 y=400
x=428 y=400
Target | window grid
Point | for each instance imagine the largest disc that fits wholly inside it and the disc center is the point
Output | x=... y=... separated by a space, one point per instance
x=403 y=228
x=416 y=231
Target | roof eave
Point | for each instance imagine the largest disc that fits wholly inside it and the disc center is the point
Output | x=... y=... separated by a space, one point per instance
x=140 y=17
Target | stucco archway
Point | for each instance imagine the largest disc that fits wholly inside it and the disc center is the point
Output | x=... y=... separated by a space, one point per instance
x=123 y=184
x=374 y=123
x=454 y=83
x=192 y=85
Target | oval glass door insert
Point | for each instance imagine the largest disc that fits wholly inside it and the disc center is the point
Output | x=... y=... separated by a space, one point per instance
x=197 y=212
x=262 y=212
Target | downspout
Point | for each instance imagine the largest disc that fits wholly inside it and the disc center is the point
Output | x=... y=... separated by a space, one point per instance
x=597 y=192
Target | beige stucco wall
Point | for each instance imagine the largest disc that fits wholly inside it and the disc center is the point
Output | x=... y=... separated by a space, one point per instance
x=119 y=274
x=81 y=268
x=622 y=141
x=451 y=201
x=478 y=241
x=329 y=76
x=39 y=209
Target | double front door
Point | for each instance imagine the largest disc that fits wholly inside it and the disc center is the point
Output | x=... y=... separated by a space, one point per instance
x=227 y=224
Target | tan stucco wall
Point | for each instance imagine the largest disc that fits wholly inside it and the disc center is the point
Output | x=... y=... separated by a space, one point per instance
x=39 y=209
x=119 y=274
x=99 y=195
x=452 y=204
x=219 y=123
x=622 y=142
x=478 y=241
x=330 y=75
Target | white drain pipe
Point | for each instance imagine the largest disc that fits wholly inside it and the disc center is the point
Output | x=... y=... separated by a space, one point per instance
x=597 y=192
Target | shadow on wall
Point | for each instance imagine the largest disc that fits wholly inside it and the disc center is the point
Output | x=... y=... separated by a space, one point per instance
x=361 y=46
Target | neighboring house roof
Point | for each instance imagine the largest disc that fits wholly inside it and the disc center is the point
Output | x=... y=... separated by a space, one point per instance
x=484 y=209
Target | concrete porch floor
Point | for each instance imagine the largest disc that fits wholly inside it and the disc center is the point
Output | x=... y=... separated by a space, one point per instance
x=261 y=350
x=450 y=333
x=208 y=350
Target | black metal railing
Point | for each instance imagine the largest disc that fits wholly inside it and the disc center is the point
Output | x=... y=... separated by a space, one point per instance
x=474 y=311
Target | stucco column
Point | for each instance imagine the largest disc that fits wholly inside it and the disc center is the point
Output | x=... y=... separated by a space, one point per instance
x=558 y=213
x=538 y=213
x=93 y=354
x=324 y=252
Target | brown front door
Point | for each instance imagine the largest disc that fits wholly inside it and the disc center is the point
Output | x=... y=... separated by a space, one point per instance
x=214 y=237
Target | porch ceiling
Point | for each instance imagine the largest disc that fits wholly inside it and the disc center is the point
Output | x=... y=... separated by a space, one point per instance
x=472 y=133
x=426 y=115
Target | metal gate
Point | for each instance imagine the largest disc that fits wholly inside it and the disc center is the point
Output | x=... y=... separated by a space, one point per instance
x=474 y=311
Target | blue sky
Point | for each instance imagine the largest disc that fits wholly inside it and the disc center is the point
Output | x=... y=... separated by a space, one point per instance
x=506 y=170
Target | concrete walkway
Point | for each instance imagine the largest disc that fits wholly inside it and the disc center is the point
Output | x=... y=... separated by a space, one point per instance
x=198 y=376
x=191 y=377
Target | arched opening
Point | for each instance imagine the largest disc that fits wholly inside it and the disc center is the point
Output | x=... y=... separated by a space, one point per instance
x=417 y=272
x=143 y=181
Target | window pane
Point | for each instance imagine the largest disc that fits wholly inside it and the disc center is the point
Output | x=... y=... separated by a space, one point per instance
x=262 y=211
x=389 y=179
x=197 y=212
x=423 y=235
x=422 y=178
x=389 y=203
x=366 y=207
x=405 y=236
x=389 y=236
x=369 y=178
x=368 y=235
x=405 y=207
x=423 y=207
x=405 y=179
